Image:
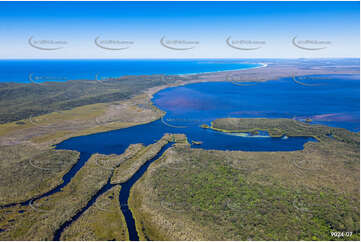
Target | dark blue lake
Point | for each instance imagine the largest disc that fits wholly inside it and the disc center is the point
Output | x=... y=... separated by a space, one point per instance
x=115 y=142
x=332 y=100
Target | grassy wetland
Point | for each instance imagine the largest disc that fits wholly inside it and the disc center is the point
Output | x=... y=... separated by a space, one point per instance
x=188 y=193
x=102 y=221
x=283 y=127
x=125 y=170
x=27 y=152
x=195 y=194
x=73 y=206
x=61 y=206
x=39 y=172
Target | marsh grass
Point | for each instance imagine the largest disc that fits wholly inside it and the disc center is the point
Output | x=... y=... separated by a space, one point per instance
x=102 y=221
x=235 y=195
x=27 y=172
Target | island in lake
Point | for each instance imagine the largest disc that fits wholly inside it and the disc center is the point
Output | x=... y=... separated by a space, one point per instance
x=245 y=154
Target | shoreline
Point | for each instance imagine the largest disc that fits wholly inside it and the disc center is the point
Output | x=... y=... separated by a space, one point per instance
x=86 y=132
x=269 y=131
x=263 y=73
x=210 y=72
x=150 y=74
x=254 y=74
x=151 y=91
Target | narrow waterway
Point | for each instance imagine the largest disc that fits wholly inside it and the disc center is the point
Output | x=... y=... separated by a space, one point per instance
x=124 y=194
x=83 y=157
x=123 y=199
x=189 y=106
x=105 y=188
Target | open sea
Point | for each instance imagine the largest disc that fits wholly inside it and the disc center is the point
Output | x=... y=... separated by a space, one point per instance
x=22 y=71
x=332 y=100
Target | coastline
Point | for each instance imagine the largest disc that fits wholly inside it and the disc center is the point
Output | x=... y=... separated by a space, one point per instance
x=209 y=72
x=254 y=74
x=264 y=73
x=142 y=224
x=26 y=75
x=151 y=91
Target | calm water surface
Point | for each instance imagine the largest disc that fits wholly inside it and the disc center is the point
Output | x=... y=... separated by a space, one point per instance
x=23 y=71
x=334 y=100
x=335 y=103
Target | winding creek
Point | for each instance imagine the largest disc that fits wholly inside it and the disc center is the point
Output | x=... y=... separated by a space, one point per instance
x=189 y=106
x=118 y=140
x=123 y=198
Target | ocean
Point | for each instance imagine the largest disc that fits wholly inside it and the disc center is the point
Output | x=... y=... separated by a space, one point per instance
x=26 y=71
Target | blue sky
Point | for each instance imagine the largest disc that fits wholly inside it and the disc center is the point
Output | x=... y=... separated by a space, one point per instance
x=271 y=26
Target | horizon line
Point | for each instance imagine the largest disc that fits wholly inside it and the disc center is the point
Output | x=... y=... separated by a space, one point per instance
x=216 y=58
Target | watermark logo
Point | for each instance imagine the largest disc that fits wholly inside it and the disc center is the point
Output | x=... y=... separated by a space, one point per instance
x=172 y=206
x=168 y=78
x=113 y=44
x=303 y=80
x=37 y=166
x=107 y=121
x=99 y=161
x=246 y=45
x=166 y=122
x=43 y=121
x=238 y=79
x=37 y=208
x=183 y=122
x=106 y=79
x=311 y=45
x=300 y=205
x=311 y=200
x=302 y=167
x=234 y=206
x=339 y=234
x=45 y=44
x=104 y=205
x=176 y=166
x=40 y=79
x=53 y=164
x=178 y=44
x=124 y=205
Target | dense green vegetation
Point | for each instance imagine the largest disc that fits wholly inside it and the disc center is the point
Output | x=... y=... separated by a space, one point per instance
x=139 y=156
x=188 y=193
x=216 y=195
x=102 y=221
x=195 y=194
x=28 y=172
x=281 y=127
x=60 y=207
x=22 y=100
